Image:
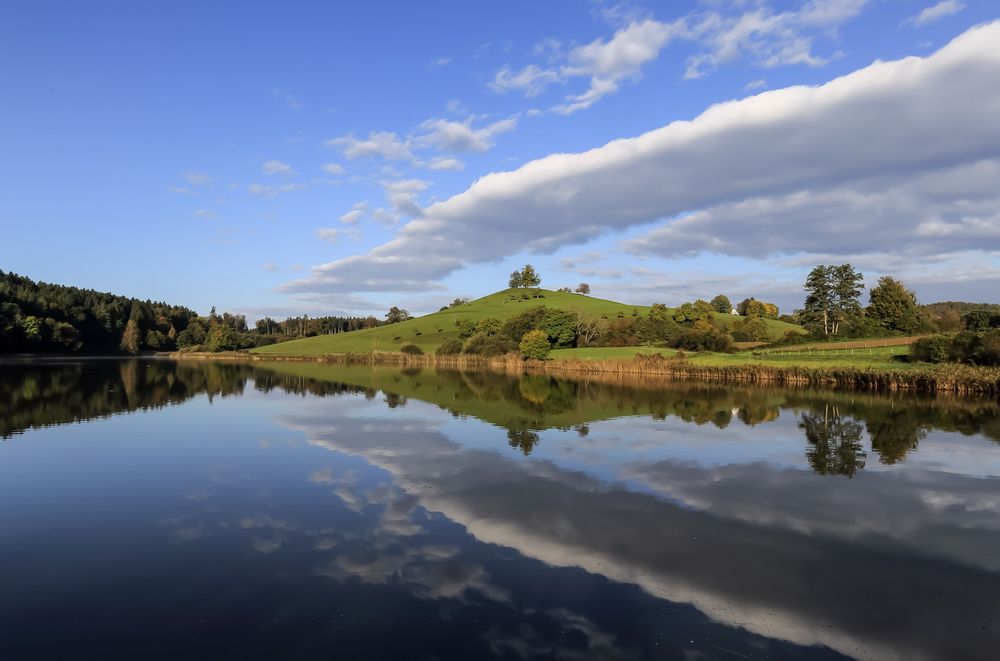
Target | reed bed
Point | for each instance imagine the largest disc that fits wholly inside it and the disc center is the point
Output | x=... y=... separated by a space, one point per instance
x=952 y=378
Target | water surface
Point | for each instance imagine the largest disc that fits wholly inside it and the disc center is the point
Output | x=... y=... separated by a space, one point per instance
x=163 y=510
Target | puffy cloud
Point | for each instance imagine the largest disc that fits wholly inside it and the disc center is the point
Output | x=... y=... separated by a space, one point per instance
x=531 y=80
x=334 y=235
x=277 y=167
x=769 y=38
x=936 y=12
x=823 y=145
x=445 y=163
x=333 y=169
x=461 y=136
x=379 y=143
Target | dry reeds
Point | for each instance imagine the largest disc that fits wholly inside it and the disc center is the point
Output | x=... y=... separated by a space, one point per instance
x=956 y=379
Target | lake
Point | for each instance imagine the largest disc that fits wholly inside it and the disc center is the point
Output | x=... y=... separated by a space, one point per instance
x=162 y=510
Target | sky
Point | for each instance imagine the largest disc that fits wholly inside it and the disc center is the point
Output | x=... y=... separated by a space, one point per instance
x=340 y=158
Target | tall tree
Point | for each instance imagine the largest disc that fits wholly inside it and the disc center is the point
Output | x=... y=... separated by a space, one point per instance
x=516 y=281
x=722 y=304
x=893 y=306
x=832 y=297
x=583 y=288
x=529 y=278
x=847 y=286
x=820 y=298
x=132 y=337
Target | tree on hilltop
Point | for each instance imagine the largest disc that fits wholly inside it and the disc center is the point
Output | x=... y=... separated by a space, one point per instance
x=525 y=278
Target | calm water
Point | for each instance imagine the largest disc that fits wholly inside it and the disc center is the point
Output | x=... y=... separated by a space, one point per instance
x=152 y=510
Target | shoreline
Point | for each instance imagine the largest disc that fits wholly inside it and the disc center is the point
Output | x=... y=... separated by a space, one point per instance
x=952 y=379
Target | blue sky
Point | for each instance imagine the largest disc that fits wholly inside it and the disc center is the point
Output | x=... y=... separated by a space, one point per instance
x=334 y=158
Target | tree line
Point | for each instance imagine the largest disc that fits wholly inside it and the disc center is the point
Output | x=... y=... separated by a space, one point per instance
x=43 y=317
x=39 y=317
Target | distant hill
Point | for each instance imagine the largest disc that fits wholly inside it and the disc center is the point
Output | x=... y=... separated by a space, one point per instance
x=429 y=331
x=961 y=307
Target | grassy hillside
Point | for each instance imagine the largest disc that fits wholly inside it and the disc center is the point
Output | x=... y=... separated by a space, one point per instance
x=429 y=331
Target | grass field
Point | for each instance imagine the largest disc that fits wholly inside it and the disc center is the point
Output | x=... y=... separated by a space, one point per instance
x=429 y=331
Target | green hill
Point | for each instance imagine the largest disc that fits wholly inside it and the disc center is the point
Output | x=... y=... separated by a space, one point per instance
x=429 y=331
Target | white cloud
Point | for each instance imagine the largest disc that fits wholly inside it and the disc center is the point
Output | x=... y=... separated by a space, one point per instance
x=885 y=123
x=935 y=12
x=334 y=235
x=605 y=63
x=531 y=80
x=182 y=190
x=270 y=266
x=622 y=57
x=401 y=194
x=445 y=163
x=379 y=143
x=205 y=213
x=461 y=136
x=769 y=39
x=277 y=167
x=266 y=190
x=333 y=169
x=440 y=62
x=755 y=85
x=197 y=178
x=721 y=33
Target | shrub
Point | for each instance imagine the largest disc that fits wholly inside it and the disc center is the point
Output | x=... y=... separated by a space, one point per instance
x=531 y=319
x=750 y=329
x=535 y=345
x=412 y=349
x=974 y=348
x=710 y=339
x=488 y=345
x=449 y=348
x=933 y=349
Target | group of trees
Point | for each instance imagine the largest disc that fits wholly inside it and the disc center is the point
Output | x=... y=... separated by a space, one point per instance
x=833 y=308
x=690 y=327
x=306 y=326
x=832 y=298
x=525 y=278
x=974 y=347
x=43 y=317
x=582 y=288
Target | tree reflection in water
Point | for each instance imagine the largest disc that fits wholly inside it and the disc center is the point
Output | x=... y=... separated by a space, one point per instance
x=835 y=442
x=836 y=425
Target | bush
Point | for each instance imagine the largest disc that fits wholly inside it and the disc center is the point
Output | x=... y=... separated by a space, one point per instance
x=703 y=340
x=531 y=319
x=750 y=329
x=449 y=348
x=412 y=349
x=535 y=345
x=488 y=345
x=933 y=349
x=974 y=348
